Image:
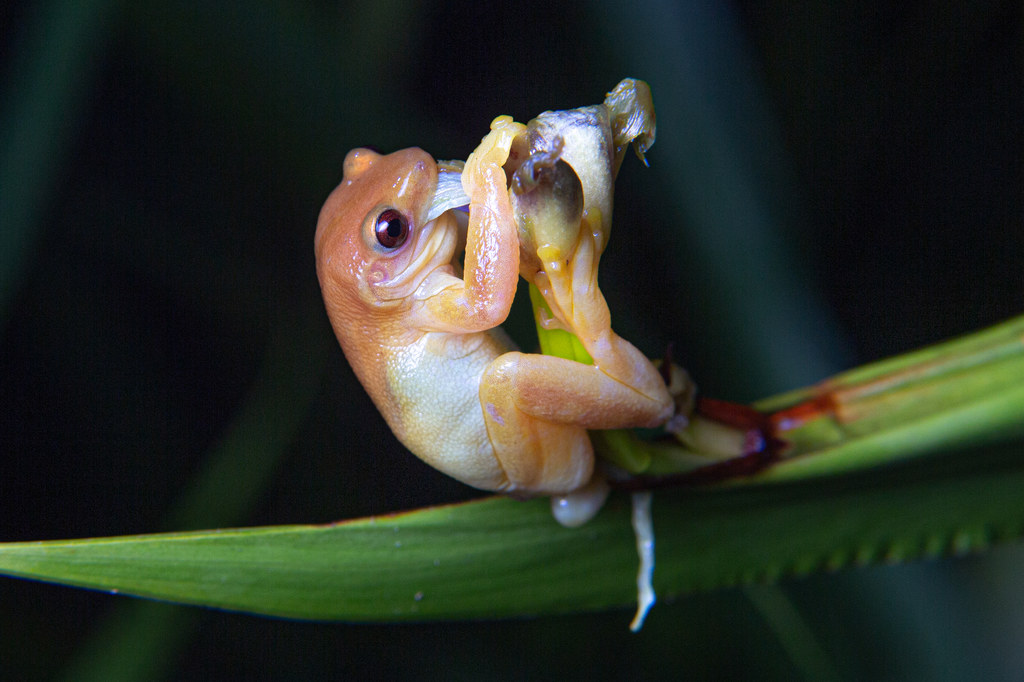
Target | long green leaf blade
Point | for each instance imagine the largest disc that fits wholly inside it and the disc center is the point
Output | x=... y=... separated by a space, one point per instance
x=497 y=557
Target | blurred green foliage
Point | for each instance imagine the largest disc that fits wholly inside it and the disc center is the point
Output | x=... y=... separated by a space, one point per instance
x=831 y=184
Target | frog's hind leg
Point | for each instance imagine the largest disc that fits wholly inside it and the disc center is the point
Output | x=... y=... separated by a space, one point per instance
x=538 y=456
x=536 y=409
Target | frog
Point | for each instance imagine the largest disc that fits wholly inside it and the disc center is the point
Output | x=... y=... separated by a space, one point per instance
x=416 y=300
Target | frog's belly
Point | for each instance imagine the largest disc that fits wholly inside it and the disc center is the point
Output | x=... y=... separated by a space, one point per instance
x=434 y=388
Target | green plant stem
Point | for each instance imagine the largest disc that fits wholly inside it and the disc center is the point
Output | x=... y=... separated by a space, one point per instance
x=959 y=393
x=964 y=392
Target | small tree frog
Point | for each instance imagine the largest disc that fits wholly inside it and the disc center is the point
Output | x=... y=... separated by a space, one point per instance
x=421 y=329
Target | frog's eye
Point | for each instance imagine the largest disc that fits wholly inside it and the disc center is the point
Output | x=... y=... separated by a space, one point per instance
x=392 y=229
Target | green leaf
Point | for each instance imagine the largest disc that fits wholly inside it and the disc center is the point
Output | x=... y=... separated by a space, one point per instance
x=964 y=392
x=498 y=557
x=46 y=80
x=968 y=391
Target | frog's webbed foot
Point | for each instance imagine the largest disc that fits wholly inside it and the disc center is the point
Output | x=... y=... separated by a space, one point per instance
x=631 y=116
x=544 y=317
x=682 y=389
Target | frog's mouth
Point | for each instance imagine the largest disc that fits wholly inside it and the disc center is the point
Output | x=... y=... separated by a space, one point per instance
x=449 y=193
x=437 y=240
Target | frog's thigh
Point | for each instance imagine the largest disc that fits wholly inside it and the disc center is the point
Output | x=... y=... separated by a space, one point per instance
x=536 y=455
x=537 y=407
x=567 y=392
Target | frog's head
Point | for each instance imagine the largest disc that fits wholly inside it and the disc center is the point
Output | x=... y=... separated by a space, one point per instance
x=375 y=240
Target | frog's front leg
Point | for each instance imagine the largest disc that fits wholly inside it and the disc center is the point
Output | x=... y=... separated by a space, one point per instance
x=482 y=298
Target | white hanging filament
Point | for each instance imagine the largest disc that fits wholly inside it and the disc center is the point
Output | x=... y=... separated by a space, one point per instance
x=643 y=527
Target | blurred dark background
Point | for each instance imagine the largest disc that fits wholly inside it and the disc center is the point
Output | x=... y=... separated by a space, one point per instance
x=830 y=185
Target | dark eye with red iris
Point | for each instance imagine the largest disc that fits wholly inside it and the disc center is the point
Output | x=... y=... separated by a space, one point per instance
x=392 y=229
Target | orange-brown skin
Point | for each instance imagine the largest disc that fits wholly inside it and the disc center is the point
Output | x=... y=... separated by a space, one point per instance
x=424 y=342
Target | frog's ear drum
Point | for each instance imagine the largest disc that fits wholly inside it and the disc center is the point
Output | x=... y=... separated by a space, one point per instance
x=358 y=160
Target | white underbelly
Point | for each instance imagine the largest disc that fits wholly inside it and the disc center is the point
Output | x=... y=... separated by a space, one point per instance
x=434 y=388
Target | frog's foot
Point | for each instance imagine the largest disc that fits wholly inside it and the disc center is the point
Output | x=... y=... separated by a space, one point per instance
x=543 y=315
x=683 y=391
x=484 y=164
x=631 y=114
x=574 y=287
x=569 y=288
